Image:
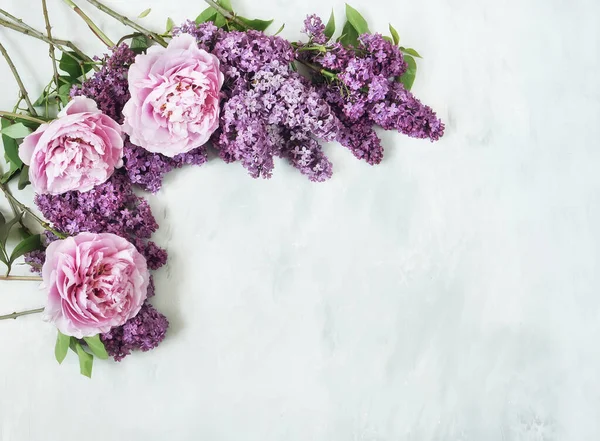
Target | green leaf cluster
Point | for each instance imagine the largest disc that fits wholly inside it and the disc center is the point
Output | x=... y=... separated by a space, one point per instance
x=13 y=133
x=28 y=244
x=86 y=349
x=73 y=69
x=212 y=14
x=355 y=26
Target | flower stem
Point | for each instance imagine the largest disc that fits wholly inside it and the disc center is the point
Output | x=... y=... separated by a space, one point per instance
x=19 y=81
x=14 y=315
x=318 y=69
x=59 y=44
x=127 y=22
x=15 y=208
x=95 y=29
x=228 y=15
x=14 y=116
x=30 y=212
x=22 y=278
x=50 y=46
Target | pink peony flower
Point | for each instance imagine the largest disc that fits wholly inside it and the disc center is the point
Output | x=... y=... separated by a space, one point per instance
x=174 y=105
x=95 y=282
x=77 y=151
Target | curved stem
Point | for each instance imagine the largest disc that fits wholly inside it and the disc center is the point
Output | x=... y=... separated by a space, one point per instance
x=31 y=213
x=15 y=208
x=228 y=15
x=50 y=46
x=318 y=69
x=13 y=116
x=18 y=78
x=22 y=278
x=14 y=315
x=127 y=22
x=59 y=44
x=95 y=29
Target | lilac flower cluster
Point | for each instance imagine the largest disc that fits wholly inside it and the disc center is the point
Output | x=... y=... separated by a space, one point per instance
x=270 y=110
x=363 y=91
x=109 y=86
x=110 y=89
x=147 y=169
x=111 y=207
x=144 y=332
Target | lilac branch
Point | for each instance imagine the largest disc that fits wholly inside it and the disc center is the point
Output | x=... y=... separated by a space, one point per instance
x=13 y=69
x=14 y=315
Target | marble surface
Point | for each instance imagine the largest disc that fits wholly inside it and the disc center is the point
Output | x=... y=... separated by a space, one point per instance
x=450 y=293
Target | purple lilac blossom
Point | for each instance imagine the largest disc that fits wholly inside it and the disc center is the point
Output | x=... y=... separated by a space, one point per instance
x=111 y=207
x=147 y=169
x=365 y=92
x=269 y=109
x=143 y=332
x=109 y=86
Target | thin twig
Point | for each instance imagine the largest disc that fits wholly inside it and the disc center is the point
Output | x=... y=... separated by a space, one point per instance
x=14 y=315
x=31 y=213
x=51 y=46
x=18 y=78
x=18 y=20
x=15 y=208
x=22 y=278
x=95 y=29
x=59 y=44
x=225 y=13
x=14 y=116
x=152 y=35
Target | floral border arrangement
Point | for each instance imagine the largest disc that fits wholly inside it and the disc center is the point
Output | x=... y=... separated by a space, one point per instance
x=156 y=102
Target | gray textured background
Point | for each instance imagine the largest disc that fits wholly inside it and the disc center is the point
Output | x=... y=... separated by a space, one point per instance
x=450 y=293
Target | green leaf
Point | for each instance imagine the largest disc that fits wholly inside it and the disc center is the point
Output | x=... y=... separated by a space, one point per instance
x=220 y=20
x=209 y=14
x=11 y=148
x=145 y=13
x=140 y=43
x=24 y=233
x=86 y=360
x=409 y=76
x=5 y=229
x=349 y=35
x=72 y=64
x=330 y=27
x=358 y=21
x=9 y=175
x=24 y=178
x=41 y=101
x=386 y=38
x=4 y=232
x=2 y=219
x=225 y=4
x=62 y=346
x=279 y=30
x=16 y=131
x=410 y=51
x=96 y=346
x=395 y=36
x=28 y=245
x=256 y=24
x=63 y=79
x=170 y=24
x=64 y=93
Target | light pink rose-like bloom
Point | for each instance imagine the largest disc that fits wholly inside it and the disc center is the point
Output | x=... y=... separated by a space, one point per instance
x=94 y=281
x=174 y=105
x=77 y=151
